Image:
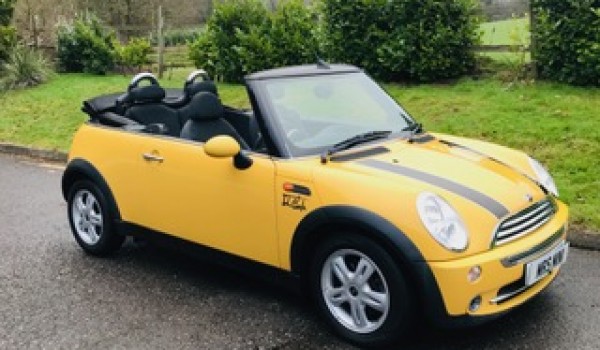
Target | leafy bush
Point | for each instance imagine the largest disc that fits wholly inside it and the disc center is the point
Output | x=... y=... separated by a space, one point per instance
x=242 y=37
x=8 y=33
x=285 y=38
x=135 y=53
x=422 y=40
x=7 y=8
x=203 y=53
x=8 y=39
x=230 y=21
x=25 y=67
x=293 y=34
x=86 y=46
x=567 y=40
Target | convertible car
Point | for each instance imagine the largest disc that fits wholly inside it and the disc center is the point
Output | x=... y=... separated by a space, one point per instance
x=327 y=179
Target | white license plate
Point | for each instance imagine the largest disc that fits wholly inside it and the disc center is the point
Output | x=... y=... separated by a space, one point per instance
x=542 y=266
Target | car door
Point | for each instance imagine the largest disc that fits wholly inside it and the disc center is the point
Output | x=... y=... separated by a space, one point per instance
x=206 y=200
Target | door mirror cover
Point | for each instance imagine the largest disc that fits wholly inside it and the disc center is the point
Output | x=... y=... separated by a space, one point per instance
x=222 y=147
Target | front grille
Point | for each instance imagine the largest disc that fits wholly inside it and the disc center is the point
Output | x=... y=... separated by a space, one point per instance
x=525 y=221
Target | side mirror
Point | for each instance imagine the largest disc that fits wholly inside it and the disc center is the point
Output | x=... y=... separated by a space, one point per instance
x=226 y=147
x=222 y=147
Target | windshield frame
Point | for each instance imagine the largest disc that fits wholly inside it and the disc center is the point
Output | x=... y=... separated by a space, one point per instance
x=274 y=131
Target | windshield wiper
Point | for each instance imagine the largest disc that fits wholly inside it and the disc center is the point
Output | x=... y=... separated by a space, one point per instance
x=415 y=128
x=353 y=141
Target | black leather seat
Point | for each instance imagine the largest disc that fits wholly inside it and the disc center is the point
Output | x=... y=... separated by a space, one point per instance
x=191 y=90
x=147 y=107
x=206 y=120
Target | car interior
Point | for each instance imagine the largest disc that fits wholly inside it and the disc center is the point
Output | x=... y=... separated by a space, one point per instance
x=194 y=112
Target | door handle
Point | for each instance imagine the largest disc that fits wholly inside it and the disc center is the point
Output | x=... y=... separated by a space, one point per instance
x=151 y=157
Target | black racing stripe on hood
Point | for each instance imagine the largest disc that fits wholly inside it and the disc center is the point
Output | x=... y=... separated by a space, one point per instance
x=481 y=199
x=360 y=154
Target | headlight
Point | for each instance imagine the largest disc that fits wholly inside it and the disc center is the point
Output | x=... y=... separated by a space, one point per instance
x=442 y=222
x=543 y=176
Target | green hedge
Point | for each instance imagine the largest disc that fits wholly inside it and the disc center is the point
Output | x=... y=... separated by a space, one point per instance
x=8 y=40
x=418 y=40
x=135 y=53
x=567 y=40
x=242 y=36
x=216 y=50
x=86 y=45
x=8 y=33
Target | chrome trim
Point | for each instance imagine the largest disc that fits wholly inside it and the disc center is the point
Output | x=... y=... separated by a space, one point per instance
x=502 y=298
x=544 y=205
x=524 y=227
x=535 y=252
x=150 y=157
x=523 y=222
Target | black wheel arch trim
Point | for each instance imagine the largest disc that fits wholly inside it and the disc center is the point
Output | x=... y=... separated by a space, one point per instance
x=78 y=168
x=395 y=241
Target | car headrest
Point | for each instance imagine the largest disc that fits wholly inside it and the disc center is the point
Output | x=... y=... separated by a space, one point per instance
x=144 y=94
x=205 y=105
x=202 y=86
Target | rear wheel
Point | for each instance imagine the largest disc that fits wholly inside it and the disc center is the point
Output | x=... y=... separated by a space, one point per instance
x=90 y=219
x=361 y=290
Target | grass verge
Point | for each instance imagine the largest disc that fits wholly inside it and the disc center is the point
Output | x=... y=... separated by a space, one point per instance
x=555 y=123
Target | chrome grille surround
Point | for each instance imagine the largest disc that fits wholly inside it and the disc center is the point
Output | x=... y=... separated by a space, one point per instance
x=524 y=222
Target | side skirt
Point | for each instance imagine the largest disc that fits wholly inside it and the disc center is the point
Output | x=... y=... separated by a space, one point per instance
x=269 y=274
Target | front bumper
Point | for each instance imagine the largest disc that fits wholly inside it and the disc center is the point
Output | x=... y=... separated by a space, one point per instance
x=501 y=286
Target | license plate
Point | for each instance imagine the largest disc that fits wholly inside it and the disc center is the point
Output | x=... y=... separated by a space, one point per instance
x=542 y=266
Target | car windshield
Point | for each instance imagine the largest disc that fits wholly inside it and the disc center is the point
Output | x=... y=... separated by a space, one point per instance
x=314 y=113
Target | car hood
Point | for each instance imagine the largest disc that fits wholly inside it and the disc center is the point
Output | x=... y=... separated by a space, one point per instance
x=438 y=164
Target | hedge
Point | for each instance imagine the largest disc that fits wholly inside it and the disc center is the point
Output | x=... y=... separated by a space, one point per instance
x=567 y=40
x=417 y=40
x=242 y=37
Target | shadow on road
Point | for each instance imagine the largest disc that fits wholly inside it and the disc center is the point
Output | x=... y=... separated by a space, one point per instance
x=240 y=296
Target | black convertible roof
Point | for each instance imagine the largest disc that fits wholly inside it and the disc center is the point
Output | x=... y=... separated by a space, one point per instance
x=300 y=71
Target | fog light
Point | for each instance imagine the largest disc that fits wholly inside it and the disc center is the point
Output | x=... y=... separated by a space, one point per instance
x=475 y=304
x=474 y=274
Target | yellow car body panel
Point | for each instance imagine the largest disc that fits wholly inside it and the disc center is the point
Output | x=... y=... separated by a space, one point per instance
x=188 y=194
x=249 y=213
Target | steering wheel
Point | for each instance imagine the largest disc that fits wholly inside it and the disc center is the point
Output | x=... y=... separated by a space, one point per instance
x=136 y=80
x=292 y=124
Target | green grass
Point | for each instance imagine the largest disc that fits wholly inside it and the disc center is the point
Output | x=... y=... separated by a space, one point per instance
x=557 y=124
x=507 y=32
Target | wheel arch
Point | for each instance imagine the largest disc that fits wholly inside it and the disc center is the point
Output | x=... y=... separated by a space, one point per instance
x=318 y=224
x=79 y=169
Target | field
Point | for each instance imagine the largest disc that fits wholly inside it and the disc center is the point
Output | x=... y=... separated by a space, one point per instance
x=507 y=32
x=556 y=123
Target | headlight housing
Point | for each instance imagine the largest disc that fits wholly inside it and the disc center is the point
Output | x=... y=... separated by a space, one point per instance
x=442 y=222
x=543 y=176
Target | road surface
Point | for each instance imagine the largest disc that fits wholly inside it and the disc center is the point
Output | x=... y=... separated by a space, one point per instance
x=54 y=296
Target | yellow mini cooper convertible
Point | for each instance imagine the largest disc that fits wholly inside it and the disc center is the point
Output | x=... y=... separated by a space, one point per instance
x=329 y=180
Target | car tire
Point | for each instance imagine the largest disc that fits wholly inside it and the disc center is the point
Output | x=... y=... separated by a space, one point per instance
x=90 y=219
x=361 y=290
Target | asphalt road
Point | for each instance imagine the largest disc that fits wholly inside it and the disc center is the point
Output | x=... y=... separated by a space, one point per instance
x=54 y=296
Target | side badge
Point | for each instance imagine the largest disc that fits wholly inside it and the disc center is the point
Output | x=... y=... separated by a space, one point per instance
x=293 y=201
x=294 y=196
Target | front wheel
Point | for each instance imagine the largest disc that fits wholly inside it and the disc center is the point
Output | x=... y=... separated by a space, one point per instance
x=90 y=219
x=361 y=290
